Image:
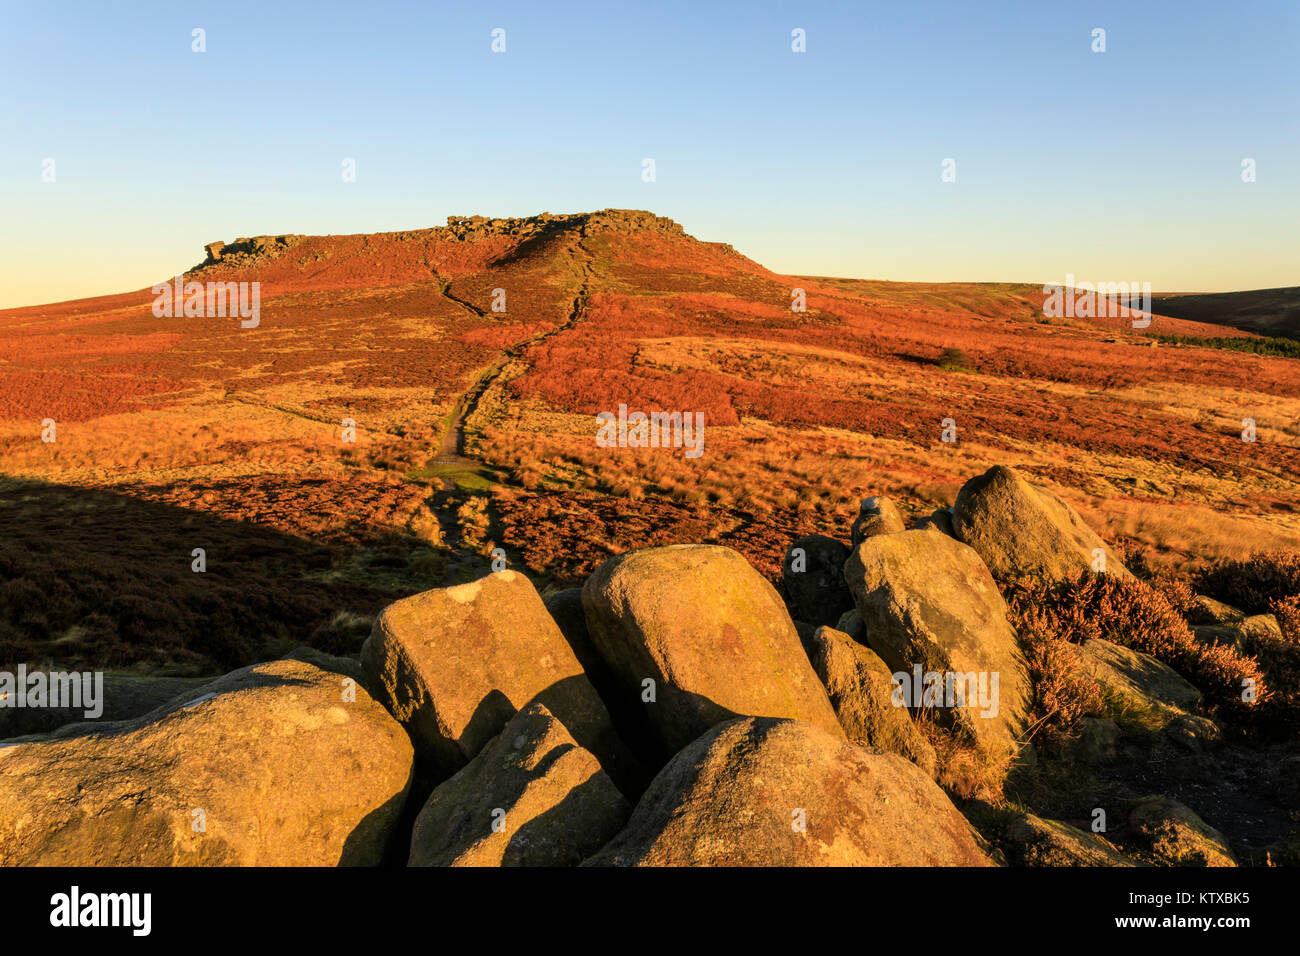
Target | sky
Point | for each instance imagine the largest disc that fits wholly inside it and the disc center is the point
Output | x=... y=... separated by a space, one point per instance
x=1123 y=165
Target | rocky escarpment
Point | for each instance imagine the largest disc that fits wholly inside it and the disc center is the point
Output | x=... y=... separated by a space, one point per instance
x=246 y=252
x=625 y=221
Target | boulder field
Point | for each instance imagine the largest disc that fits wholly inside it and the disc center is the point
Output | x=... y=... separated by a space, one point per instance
x=670 y=712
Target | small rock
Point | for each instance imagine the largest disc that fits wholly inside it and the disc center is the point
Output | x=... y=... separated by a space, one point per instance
x=1206 y=610
x=1220 y=635
x=940 y=520
x=1263 y=628
x=1033 y=841
x=1193 y=732
x=877 y=515
x=1097 y=740
x=850 y=623
x=1178 y=836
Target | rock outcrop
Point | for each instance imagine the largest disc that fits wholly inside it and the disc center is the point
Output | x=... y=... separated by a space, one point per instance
x=454 y=665
x=278 y=764
x=532 y=797
x=700 y=637
x=1020 y=529
x=770 y=792
x=929 y=603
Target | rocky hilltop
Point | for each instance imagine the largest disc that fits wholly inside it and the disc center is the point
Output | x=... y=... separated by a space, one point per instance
x=248 y=252
x=671 y=711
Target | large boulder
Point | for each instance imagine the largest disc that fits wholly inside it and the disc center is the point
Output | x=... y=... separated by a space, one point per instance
x=760 y=791
x=455 y=664
x=1019 y=529
x=278 y=764
x=861 y=690
x=532 y=797
x=813 y=576
x=710 y=635
x=932 y=610
x=1177 y=836
x=123 y=696
x=877 y=515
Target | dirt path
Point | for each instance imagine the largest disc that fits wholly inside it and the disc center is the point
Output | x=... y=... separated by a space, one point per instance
x=452 y=448
x=451 y=455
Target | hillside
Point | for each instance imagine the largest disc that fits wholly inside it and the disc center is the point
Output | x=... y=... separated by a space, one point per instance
x=474 y=429
x=1273 y=312
x=331 y=481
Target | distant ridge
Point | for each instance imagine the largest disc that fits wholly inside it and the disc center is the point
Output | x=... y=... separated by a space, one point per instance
x=1266 y=311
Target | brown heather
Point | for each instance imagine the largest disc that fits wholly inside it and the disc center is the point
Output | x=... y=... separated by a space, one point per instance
x=1060 y=693
x=1253 y=584
x=1136 y=615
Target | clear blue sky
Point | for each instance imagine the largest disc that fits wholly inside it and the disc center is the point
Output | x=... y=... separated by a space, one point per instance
x=1117 y=166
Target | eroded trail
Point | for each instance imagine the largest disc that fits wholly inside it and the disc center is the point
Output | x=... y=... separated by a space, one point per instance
x=452 y=448
x=452 y=456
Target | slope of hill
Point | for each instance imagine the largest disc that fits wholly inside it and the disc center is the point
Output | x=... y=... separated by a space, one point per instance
x=1264 y=311
x=474 y=428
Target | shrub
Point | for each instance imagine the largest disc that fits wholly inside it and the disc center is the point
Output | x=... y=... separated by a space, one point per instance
x=1059 y=694
x=1280 y=657
x=1136 y=615
x=1262 y=345
x=953 y=360
x=1253 y=584
x=962 y=769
